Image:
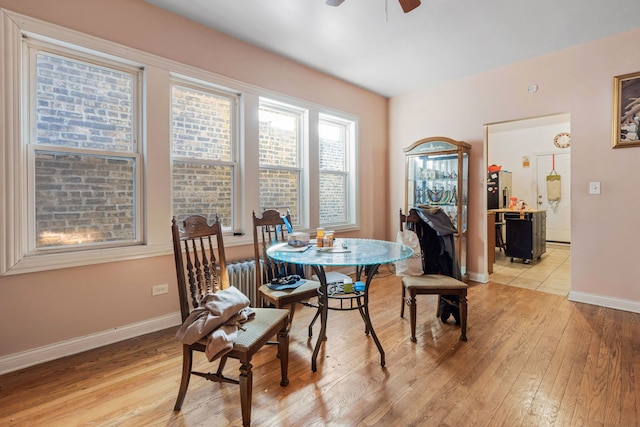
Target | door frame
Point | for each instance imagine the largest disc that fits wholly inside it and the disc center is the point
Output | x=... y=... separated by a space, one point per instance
x=485 y=163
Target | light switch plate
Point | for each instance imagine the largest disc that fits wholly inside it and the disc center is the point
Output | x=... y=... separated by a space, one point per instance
x=594 y=187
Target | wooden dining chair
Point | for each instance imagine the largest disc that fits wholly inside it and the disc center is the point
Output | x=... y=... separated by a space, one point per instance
x=268 y=230
x=201 y=270
x=431 y=284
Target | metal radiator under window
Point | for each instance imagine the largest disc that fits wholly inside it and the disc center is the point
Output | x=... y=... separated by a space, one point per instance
x=242 y=275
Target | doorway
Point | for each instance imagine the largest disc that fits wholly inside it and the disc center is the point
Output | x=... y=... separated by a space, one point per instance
x=528 y=149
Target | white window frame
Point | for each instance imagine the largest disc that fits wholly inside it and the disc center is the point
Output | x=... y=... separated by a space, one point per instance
x=302 y=153
x=16 y=240
x=31 y=49
x=310 y=162
x=349 y=126
x=236 y=119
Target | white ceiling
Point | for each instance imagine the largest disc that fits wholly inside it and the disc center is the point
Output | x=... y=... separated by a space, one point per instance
x=376 y=46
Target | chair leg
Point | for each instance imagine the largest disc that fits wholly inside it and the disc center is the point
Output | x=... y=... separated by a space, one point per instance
x=364 y=315
x=187 y=359
x=223 y=362
x=283 y=351
x=313 y=321
x=412 y=315
x=403 y=301
x=463 y=317
x=292 y=311
x=499 y=239
x=246 y=391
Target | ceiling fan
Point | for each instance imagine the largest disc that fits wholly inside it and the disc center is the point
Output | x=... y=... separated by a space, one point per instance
x=407 y=5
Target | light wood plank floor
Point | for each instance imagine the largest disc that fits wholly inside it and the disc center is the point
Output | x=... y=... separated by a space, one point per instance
x=532 y=359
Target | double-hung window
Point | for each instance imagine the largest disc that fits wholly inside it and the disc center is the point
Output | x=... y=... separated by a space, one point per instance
x=335 y=187
x=76 y=113
x=83 y=157
x=204 y=152
x=281 y=136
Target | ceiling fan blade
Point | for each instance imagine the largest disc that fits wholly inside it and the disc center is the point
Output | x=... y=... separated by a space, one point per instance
x=407 y=5
x=334 y=2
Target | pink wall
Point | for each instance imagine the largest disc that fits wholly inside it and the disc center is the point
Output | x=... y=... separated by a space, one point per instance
x=44 y=308
x=41 y=309
x=576 y=81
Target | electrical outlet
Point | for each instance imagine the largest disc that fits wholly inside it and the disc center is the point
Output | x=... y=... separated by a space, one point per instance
x=160 y=289
x=594 y=187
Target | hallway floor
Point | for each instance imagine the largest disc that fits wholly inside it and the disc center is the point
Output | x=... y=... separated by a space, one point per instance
x=551 y=273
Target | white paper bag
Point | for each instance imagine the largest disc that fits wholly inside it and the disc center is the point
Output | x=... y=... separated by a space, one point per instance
x=411 y=266
x=554 y=187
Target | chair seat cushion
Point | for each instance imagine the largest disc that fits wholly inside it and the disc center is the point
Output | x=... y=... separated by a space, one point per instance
x=309 y=287
x=432 y=281
x=254 y=329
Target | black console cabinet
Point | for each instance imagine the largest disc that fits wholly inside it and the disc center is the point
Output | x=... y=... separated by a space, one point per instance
x=526 y=235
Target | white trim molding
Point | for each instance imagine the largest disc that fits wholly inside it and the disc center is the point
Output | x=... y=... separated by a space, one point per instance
x=35 y=356
x=604 y=301
x=478 y=277
x=10 y=219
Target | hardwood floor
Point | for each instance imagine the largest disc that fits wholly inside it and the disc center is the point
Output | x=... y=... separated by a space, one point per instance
x=532 y=359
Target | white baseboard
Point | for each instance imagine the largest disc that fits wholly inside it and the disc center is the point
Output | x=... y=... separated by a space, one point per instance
x=478 y=277
x=39 y=355
x=604 y=301
x=593 y=299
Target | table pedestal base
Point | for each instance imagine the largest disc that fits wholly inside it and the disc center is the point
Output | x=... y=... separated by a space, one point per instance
x=362 y=306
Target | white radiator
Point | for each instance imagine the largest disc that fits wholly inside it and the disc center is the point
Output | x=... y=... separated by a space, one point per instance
x=242 y=275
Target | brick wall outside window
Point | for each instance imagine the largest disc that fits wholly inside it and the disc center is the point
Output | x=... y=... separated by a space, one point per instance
x=279 y=185
x=83 y=197
x=333 y=185
x=201 y=140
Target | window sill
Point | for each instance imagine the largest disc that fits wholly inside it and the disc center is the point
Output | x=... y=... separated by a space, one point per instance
x=36 y=263
x=46 y=262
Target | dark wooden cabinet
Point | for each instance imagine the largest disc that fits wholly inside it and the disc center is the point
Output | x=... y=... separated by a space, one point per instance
x=526 y=234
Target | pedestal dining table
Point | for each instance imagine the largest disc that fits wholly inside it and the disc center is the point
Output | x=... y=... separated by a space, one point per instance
x=366 y=255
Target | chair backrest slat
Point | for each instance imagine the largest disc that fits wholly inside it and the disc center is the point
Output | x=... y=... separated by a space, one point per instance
x=412 y=218
x=267 y=230
x=203 y=272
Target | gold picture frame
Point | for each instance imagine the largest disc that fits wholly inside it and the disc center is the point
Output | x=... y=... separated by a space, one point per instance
x=626 y=111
